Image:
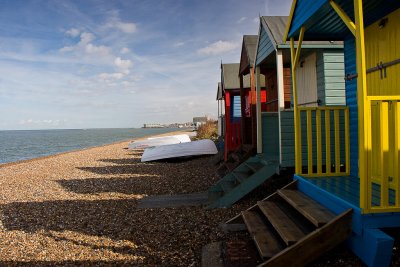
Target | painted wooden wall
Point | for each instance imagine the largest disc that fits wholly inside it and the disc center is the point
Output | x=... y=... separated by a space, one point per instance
x=330 y=77
x=270 y=130
x=265 y=46
x=306 y=76
x=287 y=138
x=351 y=100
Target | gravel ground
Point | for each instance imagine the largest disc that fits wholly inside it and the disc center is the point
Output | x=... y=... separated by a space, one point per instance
x=80 y=208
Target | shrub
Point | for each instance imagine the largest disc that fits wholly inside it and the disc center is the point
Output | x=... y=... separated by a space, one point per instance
x=207 y=130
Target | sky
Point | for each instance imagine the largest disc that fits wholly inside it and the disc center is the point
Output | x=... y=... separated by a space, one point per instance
x=118 y=64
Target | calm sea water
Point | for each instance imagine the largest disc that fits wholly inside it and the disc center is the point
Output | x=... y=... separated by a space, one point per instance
x=21 y=145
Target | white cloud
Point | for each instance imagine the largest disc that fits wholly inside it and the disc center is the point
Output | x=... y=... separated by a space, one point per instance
x=109 y=77
x=73 y=32
x=86 y=46
x=241 y=19
x=179 y=44
x=256 y=20
x=218 y=48
x=125 y=50
x=123 y=64
x=93 y=49
x=126 y=27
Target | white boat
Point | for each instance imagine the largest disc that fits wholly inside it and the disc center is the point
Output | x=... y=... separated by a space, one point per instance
x=159 y=141
x=195 y=148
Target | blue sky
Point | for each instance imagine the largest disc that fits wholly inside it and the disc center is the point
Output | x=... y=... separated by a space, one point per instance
x=91 y=64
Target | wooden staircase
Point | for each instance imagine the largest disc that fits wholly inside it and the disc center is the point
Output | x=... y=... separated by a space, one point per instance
x=235 y=159
x=291 y=229
x=241 y=181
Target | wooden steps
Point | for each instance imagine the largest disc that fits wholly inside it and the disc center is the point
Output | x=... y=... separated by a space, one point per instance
x=244 y=152
x=267 y=244
x=291 y=229
x=286 y=228
x=312 y=210
x=242 y=180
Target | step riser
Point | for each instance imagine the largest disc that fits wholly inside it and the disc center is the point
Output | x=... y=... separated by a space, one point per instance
x=282 y=231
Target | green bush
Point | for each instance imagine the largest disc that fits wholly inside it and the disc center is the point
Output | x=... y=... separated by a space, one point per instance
x=207 y=130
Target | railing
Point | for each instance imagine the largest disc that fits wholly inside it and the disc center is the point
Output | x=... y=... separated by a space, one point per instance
x=382 y=181
x=322 y=147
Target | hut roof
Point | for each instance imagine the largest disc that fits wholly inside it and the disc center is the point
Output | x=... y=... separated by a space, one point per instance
x=230 y=77
x=276 y=29
x=249 y=47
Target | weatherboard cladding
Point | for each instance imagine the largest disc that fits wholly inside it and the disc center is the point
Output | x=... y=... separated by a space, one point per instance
x=351 y=100
x=271 y=34
x=330 y=77
x=248 y=53
x=270 y=131
x=230 y=77
x=322 y=22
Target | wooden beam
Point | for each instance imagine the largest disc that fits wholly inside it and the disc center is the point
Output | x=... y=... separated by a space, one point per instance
x=258 y=108
x=298 y=50
x=364 y=138
x=349 y=23
x=297 y=129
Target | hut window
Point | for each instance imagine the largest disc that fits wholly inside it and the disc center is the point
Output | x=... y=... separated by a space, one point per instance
x=236 y=108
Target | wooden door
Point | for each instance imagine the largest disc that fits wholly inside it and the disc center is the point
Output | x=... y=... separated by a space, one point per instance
x=382 y=44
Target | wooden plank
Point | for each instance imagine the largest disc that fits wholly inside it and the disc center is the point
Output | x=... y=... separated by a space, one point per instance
x=227 y=186
x=307 y=250
x=266 y=242
x=286 y=228
x=254 y=166
x=312 y=210
x=240 y=176
x=291 y=185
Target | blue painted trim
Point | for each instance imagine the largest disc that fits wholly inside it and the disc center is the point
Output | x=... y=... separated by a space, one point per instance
x=373 y=247
x=331 y=201
x=381 y=220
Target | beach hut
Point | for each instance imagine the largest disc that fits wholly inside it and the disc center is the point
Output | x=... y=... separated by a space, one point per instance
x=248 y=95
x=320 y=76
x=367 y=181
x=230 y=86
x=346 y=185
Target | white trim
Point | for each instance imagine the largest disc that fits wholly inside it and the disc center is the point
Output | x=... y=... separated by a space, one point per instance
x=281 y=96
x=258 y=108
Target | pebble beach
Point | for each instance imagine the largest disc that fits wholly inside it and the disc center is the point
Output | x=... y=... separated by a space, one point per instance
x=81 y=208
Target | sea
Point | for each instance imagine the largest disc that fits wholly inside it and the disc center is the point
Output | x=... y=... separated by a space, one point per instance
x=28 y=144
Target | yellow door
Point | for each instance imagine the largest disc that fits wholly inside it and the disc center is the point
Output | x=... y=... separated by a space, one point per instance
x=382 y=43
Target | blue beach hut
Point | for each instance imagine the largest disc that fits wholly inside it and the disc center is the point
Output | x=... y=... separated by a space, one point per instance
x=367 y=179
x=347 y=158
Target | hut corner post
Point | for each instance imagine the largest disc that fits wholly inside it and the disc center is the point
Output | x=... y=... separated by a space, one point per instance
x=363 y=110
x=281 y=96
x=258 y=108
x=295 y=55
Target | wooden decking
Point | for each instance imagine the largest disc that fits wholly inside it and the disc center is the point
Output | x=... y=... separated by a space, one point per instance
x=348 y=189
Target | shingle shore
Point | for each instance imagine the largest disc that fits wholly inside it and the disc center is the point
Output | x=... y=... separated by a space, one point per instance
x=80 y=208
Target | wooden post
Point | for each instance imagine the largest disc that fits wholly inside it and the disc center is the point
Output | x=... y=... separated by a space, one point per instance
x=258 y=108
x=242 y=110
x=253 y=109
x=281 y=96
x=364 y=142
